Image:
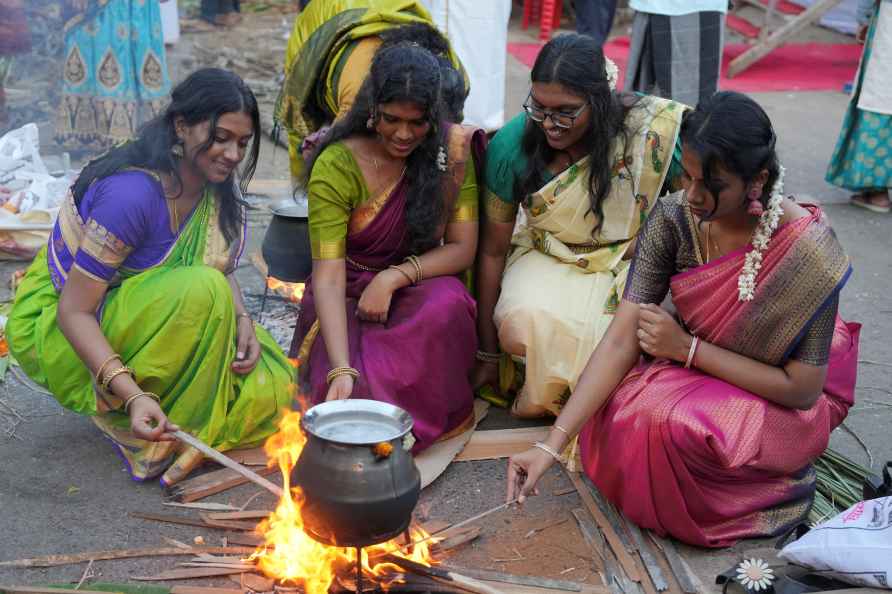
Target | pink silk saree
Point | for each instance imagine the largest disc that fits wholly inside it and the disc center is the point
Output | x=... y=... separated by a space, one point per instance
x=687 y=454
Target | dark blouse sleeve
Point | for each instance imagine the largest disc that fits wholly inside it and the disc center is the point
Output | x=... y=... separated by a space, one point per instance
x=815 y=346
x=118 y=221
x=654 y=261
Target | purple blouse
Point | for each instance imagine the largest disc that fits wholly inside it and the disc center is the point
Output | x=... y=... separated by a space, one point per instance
x=122 y=221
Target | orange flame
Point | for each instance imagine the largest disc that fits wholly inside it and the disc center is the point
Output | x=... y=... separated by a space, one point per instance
x=290 y=555
x=293 y=292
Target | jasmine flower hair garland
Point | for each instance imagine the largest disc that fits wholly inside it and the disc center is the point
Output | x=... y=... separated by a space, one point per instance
x=768 y=222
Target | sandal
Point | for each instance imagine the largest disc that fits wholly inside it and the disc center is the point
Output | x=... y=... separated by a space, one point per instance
x=864 y=201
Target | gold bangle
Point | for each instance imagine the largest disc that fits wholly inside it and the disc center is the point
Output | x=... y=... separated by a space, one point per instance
x=416 y=263
x=339 y=371
x=487 y=357
x=244 y=314
x=107 y=380
x=561 y=429
x=98 y=375
x=549 y=450
x=403 y=272
x=130 y=399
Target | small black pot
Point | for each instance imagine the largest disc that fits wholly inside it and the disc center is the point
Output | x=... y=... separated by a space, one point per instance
x=286 y=245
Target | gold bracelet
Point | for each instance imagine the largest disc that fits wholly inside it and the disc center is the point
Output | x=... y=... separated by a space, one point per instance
x=549 y=450
x=403 y=272
x=561 y=429
x=339 y=371
x=98 y=375
x=130 y=399
x=244 y=314
x=107 y=380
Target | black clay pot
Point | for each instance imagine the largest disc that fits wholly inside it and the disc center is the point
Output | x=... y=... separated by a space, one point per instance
x=286 y=245
x=360 y=484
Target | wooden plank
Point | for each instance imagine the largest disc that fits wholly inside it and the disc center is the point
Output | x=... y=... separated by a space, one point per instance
x=456 y=538
x=616 y=544
x=679 y=569
x=779 y=36
x=204 y=590
x=209 y=484
x=648 y=558
x=251 y=456
x=252 y=581
x=501 y=443
x=57 y=560
x=187 y=573
x=613 y=516
x=243 y=525
x=257 y=514
x=595 y=540
x=170 y=519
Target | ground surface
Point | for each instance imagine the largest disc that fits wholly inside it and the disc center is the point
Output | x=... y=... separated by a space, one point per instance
x=62 y=490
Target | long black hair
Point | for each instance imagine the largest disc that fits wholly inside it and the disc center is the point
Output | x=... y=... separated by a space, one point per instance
x=576 y=62
x=205 y=96
x=732 y=130
x=404 y=72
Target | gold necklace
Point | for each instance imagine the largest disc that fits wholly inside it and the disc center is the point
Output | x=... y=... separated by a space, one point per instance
x=176 y=215
x=709 y=240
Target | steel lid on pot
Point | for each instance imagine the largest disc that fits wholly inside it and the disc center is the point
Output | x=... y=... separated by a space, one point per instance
x=357 y=421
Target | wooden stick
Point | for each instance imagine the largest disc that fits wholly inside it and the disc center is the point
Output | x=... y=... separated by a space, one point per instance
x=170 y=519
x=39 y=590
x=595 y=539
x=228 y=462
x=675 y=564
x=520 y=580
x=464 y=582
x=244 y=525
x=259 y=514
x=648 y=558
x=56 y=560
x=204 y=590
x=210 y=483
x=186 y=574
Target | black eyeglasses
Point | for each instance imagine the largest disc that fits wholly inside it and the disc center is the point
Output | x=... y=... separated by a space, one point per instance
x=560 y=119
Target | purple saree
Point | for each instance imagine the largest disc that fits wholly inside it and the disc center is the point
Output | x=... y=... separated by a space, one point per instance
x=420 y=359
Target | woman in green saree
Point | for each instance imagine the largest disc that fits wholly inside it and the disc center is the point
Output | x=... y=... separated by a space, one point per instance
x=132 y=314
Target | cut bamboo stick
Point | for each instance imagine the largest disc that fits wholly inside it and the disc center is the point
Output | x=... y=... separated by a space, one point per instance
x=220 y=458
x=57 y=560
x=209 y=484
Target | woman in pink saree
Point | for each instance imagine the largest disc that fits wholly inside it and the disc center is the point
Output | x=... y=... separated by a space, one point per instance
x=710 y=437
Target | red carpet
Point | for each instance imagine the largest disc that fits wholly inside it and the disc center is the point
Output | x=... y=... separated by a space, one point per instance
x=793 y=67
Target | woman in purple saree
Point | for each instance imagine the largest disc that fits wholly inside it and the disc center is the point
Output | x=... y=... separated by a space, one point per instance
x=393 y=222
x=710 y=437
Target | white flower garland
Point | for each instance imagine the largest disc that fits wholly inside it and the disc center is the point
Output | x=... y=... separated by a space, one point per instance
x=746 y=283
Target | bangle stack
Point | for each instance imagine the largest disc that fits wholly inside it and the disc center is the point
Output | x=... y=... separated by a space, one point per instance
x=549 y=450
x=133 y=397
x=339 y=371
x=692 y=352
x=415 y=261
x=244 y=314
x=403 y=272
x=486 y=357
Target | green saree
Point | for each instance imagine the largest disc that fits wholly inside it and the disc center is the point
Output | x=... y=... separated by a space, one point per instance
x=174 y=324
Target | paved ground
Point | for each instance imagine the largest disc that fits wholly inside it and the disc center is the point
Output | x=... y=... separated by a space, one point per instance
x=62 y=490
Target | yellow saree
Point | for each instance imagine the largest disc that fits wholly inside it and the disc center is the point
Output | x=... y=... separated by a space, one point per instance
x=563 y=280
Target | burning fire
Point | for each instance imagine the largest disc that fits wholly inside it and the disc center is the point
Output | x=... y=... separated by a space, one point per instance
x=291 y=556
x=290 y=291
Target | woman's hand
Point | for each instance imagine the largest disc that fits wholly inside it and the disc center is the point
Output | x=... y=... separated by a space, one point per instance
x=247 y=347
x=340 y=388
x=524 y=471
x=374 y=303
x=660 y=336
x=148 y=421
x=486 y=373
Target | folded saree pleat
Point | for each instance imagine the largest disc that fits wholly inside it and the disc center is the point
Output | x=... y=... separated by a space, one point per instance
x=688 y=454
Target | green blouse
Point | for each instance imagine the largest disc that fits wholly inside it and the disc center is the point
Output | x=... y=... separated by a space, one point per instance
x=506 y=163
x=340 y=202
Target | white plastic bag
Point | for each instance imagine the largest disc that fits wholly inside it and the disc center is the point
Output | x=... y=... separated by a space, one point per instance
x=854 y=547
